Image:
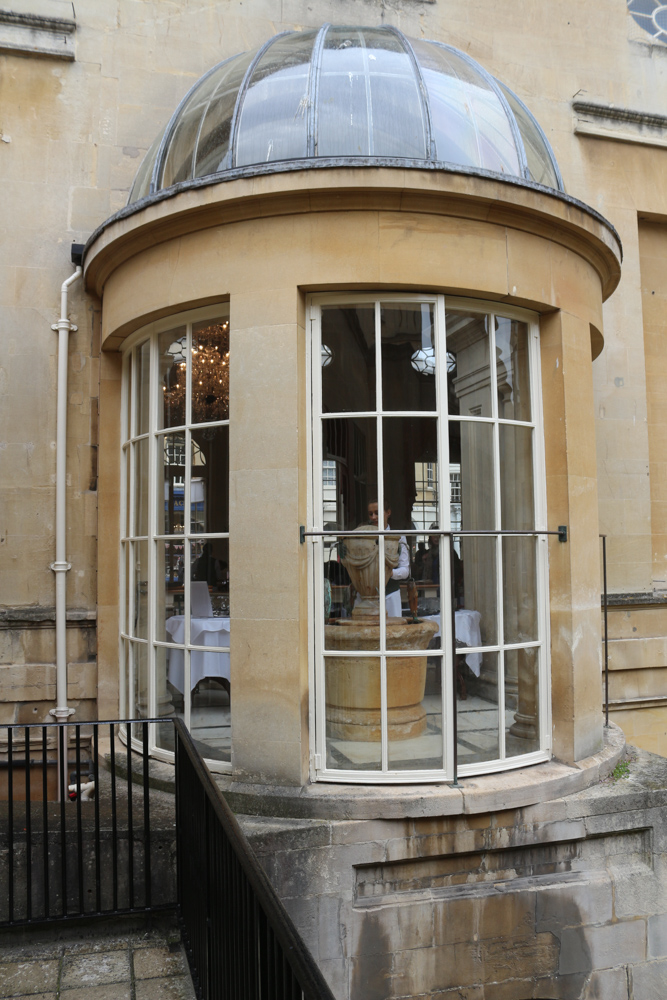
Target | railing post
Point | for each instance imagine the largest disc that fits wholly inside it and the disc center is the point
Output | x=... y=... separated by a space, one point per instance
x=606 y=630
x=452 y=609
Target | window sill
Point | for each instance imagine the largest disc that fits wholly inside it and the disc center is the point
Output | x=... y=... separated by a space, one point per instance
x=507 y=790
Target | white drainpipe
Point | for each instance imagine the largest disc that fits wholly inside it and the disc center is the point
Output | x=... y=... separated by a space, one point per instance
x=61 y=566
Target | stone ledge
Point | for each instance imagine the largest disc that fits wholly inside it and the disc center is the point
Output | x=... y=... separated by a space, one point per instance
x=507 y=790
x=36 y=34
x=620 y=124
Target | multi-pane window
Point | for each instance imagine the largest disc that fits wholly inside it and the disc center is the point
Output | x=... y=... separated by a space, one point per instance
x=175 y=536
x=418 y=447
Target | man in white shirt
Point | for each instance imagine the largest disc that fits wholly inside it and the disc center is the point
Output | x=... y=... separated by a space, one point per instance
x=402 y=571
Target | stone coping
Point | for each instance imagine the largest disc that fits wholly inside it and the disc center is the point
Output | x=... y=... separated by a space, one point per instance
x=529 y=208
x=489 y=793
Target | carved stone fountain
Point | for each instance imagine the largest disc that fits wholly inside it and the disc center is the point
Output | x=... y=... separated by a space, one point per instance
x=353 y=682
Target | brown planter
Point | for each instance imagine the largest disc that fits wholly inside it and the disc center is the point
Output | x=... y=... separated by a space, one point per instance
x=353 y=683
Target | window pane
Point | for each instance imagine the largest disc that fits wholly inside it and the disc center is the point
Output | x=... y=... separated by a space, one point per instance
x=139 y=584
x=126 y=549
x=357 y=625
x=213 y=147
x=274 y=117
x=516 y=477
x=468 y=369
x=174 y=704
x=209 y=564
x=172 y=351
x=343 y=106
x=520 y=588
x=471 y=458
x=348 y=359
x=142 y=372
x=512 y=369
x=351 y=444
x=453 y=124
x=209 y=485
x=353 y=713
x=170 y=594
x=171 y=496
x=139 y=669
x=522 y=733
x=414 y=712
x=475 y=593
x=210 y=371
x=426 y=572
x=409 y=445
x=408 y=357
x=140 y=453
x=477 y=709
x=126 y=528
x=127 y=705
x=142 y=182
x=540 y=165
x=178 y=161
x=365 y=76
x=425 y=507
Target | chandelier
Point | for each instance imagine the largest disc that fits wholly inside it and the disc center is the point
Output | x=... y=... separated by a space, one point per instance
x=210 y=376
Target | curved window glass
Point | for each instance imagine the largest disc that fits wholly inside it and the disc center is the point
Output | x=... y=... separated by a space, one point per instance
x=431 y=638
x=175 y=534
x=347 y=92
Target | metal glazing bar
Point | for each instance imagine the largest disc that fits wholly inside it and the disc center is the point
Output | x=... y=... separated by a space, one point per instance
x=45 y=825
x=28 y=828
x=606 y=630
x=10 y=820
x=147 y=821
x=455 y=661
x=114 y=819
x=79 y=824
x=98 y=860
x=62 y=771
x=561 y=533
x=130 y=825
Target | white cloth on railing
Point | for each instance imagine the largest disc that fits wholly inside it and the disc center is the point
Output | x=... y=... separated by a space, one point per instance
x=203 y=663
x=467 y=628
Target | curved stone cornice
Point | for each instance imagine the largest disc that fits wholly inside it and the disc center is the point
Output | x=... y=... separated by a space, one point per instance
x=513 y=205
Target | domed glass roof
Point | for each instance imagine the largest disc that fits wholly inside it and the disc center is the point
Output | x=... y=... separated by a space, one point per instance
x=346 y=95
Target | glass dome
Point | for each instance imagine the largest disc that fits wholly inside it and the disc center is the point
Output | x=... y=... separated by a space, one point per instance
x=339 y=95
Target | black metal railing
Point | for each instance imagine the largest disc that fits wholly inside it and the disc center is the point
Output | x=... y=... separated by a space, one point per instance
x=132 y=848
x=605 y=631
x=76 y=831
x=240 y=940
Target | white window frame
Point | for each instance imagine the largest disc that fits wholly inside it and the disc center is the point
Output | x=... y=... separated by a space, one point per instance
x=154 y=538
x=318 y=756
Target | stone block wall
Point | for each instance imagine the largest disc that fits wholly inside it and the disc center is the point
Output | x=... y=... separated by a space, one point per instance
x=563 y=900
x=28 y=671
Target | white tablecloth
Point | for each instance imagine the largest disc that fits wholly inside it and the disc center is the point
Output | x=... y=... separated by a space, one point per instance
x=203 y=632
x=467 y=628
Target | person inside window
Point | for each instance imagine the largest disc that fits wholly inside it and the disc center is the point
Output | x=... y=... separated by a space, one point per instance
x=401 y=572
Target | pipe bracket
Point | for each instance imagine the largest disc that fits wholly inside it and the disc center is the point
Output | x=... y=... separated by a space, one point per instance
x=60 y=567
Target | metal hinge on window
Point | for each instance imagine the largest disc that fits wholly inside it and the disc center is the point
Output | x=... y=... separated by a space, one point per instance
x=317 y=761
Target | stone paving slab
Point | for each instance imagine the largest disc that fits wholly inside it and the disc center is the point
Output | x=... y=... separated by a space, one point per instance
x=85 y=965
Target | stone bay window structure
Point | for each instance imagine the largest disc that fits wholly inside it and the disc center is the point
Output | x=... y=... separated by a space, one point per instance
x=349 y=258
x=347 y=487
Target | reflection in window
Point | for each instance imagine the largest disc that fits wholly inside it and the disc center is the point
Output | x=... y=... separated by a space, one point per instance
x=385 y=437
x=177 y=578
